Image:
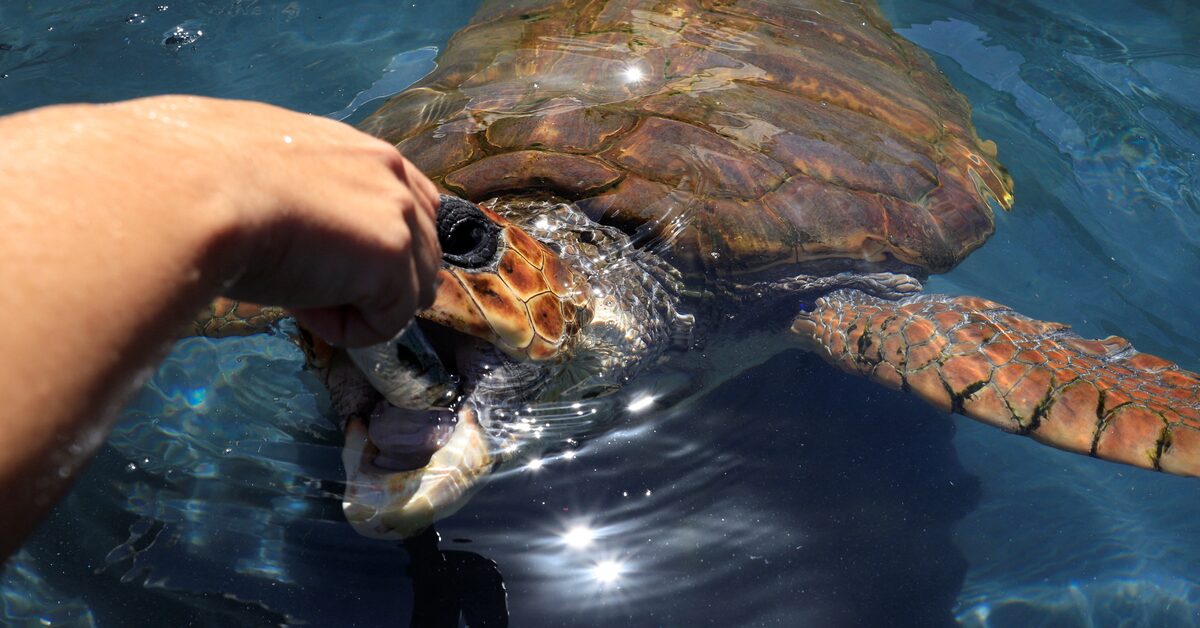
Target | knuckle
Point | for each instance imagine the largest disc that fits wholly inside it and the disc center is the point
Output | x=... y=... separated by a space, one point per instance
x=402 y=198
x=402 y=239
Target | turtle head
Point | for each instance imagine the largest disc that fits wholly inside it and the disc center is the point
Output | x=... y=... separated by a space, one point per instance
x=529 y=315
x=502 y=286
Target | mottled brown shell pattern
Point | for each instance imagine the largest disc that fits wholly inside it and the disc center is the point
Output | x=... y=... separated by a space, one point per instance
x=530 y=304
x=790 y=132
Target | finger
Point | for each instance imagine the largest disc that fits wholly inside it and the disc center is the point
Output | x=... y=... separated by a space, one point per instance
x=397 y=283
x=420 y=184
x=343 y=326
x=400 y=302
x=426 y=255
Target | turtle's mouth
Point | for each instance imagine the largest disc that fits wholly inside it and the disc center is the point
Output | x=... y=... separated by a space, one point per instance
x=408 y=428
x=507 y=313
x=407 y=439
x=407 y=466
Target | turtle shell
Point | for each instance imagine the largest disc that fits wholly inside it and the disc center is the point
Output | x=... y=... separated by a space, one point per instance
x=766 y=138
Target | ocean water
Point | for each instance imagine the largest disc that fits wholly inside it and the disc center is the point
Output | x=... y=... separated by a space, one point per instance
x=792 y=496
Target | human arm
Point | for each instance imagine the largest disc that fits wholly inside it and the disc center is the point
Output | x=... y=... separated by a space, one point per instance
x=119 y=222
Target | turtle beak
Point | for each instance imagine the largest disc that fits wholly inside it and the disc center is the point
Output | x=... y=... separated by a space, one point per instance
x=407 y=371
x=387 y=504
x=415 y=459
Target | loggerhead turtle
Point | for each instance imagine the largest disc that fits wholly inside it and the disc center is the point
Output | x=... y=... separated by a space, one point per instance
x=638 y=172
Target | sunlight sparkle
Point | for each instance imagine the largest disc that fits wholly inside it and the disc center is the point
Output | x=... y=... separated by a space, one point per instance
x=640 y=403
x=579 y=536
x=607 y=572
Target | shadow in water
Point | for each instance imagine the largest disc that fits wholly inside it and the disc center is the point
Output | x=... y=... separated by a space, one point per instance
x=452 y=584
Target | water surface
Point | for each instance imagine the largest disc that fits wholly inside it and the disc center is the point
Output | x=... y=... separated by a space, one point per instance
x=794 y=495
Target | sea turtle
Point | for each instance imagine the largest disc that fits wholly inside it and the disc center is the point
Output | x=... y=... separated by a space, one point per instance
x=699 y=184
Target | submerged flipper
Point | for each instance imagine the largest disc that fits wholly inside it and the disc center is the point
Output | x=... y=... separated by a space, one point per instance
x=981 y=359
x=227 y=317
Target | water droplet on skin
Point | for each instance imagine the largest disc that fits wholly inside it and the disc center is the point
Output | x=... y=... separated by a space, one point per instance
x=131 y=467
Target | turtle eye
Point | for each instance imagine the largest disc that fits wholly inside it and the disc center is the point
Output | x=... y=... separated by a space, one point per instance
x=468 y=238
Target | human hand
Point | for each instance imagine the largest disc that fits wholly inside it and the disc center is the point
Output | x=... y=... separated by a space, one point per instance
x=326 y=220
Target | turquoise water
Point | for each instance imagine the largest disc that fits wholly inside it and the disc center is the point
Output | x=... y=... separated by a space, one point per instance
x=792 y=496
x=1097 y=104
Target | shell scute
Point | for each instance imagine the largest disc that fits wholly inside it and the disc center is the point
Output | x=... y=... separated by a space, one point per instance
x=684 y=155
x=564 y=173
x=575 y=129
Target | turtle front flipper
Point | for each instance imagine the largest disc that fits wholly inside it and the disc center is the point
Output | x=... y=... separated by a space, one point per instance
x=228 y=317
x=981 y=359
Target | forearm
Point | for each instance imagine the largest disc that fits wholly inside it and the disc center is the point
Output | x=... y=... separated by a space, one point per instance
x=108 y=251
x=119 y=222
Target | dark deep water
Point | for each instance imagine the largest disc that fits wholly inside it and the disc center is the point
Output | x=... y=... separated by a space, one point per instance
x=794 y=495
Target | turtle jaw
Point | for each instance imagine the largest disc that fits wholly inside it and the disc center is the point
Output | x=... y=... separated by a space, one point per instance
x=406 y=468
x=387 y=504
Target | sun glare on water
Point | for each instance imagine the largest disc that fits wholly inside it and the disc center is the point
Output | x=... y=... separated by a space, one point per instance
x=607 y=572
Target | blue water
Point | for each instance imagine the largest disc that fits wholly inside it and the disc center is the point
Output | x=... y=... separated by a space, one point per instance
x=792 y=496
